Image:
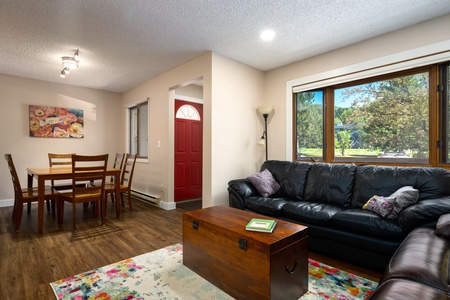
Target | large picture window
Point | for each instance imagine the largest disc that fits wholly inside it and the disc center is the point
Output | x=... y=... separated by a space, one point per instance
x=138 y=116
x=386 y=119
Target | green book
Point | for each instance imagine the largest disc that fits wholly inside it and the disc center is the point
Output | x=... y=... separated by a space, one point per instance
x=262 y=225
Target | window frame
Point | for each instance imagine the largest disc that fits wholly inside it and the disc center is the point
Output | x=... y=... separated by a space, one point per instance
x=444 y=104
x=435 y=116
x=137 y=107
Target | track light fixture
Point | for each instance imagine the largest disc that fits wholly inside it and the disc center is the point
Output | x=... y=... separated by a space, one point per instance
x=70 y=62
x=76 y=55
x=64 y=72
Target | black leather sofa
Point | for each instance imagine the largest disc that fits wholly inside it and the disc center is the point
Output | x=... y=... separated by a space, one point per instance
x=420 y=267
x=328 y=198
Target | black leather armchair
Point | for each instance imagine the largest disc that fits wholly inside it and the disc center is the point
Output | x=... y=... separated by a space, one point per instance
x=420 y=267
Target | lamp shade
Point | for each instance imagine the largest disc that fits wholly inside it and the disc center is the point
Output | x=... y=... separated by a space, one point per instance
x=265 y=110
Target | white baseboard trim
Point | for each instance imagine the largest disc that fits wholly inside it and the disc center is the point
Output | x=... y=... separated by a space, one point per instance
x=162 y=204
x=167 y=205
x=7 y=203
x=153 y=199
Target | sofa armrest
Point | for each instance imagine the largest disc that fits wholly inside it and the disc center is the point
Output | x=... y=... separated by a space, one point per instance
x=238 y=190
x=423 y=212
x=443 y=226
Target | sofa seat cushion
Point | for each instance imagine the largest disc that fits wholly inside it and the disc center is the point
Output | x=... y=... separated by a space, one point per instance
x=265 y=206
x=310 y=212
x=368 y=223
x=423 y=257
x=396 y=289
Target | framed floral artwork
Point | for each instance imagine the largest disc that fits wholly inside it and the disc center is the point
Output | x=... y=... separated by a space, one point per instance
x=56 y=122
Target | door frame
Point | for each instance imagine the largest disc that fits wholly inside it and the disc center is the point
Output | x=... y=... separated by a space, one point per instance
x=171 y=153
x=198 y=104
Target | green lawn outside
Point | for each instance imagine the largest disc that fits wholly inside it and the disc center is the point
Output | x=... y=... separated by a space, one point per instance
x=315 y=152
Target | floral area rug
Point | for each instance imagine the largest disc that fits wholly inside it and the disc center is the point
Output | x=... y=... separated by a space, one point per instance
x=161 y=275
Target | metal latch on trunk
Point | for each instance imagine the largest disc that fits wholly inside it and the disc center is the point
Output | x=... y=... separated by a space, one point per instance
x=243 y=244
x=195 y=224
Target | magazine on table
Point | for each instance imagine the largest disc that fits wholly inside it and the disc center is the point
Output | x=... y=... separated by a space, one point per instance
x=261 y=225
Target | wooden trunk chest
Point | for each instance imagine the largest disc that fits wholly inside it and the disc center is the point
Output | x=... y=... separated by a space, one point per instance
x=246 y=264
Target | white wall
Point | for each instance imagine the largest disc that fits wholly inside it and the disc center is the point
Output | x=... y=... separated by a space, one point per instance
x=231 y=92
x=237 y=89
x=102 y=133
x=397 y=45
x=155 y=177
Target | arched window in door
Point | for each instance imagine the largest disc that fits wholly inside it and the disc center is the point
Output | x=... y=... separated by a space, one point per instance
x=188 y=112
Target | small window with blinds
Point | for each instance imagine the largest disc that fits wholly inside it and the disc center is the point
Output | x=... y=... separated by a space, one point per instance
x=138 y=117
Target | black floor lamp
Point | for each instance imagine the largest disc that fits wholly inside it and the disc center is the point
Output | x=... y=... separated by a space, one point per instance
x=265 y=112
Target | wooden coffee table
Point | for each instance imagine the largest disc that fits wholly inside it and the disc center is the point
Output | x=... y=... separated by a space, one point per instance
x=246 y=264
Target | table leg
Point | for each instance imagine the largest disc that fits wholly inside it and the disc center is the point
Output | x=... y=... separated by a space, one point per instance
x=117 y=184
x=30 y=185
x=30 y=180
x=41 y=192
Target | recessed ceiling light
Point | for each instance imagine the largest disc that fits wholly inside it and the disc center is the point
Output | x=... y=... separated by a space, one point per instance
x=267 y=35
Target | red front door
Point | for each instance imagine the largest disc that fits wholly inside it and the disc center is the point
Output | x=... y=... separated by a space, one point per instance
x=188 y=150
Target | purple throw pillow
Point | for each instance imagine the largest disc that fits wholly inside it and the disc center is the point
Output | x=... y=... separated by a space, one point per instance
x=380 y=205
x=264 y=183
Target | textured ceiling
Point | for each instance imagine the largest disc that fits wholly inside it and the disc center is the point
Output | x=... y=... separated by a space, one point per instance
x=126 y=42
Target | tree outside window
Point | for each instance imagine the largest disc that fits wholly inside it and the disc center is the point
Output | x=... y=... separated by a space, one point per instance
x=389 y=118
x=310 y=129
x=383 y=120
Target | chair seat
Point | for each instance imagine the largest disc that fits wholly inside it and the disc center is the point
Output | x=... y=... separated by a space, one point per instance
x=33 y=192
x=67 y=186
x=111 y=187
x=68 y=196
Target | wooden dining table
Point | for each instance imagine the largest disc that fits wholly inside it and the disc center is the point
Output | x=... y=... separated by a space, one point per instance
x=42 y=174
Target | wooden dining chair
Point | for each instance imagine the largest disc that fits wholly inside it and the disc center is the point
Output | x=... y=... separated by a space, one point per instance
x=125 y=180
x=86 y=168
x=118 y=164
x=28 y=195
x=60 y=159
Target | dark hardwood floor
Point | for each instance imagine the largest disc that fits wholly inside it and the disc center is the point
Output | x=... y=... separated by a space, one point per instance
x=29 y=261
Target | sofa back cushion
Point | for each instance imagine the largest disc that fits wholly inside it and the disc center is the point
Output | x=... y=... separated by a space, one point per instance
x=433 y=183
x=330 y=183
x=381 y=181
x=290 y=175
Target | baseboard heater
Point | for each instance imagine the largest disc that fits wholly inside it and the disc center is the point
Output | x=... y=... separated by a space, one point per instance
x=145 y=197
